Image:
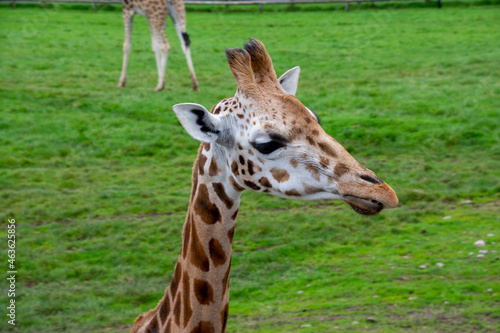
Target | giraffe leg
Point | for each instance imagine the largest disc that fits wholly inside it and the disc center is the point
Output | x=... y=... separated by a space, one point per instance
x=155 y=47
x=162 y=50
x=160 y=46
x=185 y=42
x=128 y=16
x=178 y=13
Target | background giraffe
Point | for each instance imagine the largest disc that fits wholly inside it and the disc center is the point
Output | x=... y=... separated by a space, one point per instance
x=262 y=139
x=156 y=12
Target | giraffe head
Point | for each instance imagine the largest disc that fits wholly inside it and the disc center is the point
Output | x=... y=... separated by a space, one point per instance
x=272 y=143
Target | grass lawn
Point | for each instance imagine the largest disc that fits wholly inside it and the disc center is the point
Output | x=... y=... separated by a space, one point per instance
x=98 y=178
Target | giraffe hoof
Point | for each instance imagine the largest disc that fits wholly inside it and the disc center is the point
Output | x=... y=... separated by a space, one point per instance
x=160 y=86
x=195 y=86
x=121 y=85
x=195 y=83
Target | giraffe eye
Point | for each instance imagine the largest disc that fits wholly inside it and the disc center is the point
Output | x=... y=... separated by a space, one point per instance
x=267 y=147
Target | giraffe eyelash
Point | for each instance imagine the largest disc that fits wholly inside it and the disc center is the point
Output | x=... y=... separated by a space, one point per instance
x=267 y=147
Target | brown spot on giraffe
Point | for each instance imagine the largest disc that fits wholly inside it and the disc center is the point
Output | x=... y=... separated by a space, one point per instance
x=251 y=165
x=242 y=160
x=225 y=281
x=221 y=193
x=186 y=302
x=251 y=185
x=224 y=315
x=311 y=141
x=324 y=162
x=340 y=169
x=217 y=253
x=265 y=182
x=175 y=279
x=164 y=308
x=213 y=169
x=294 y=162
x=327 y=149
x=203 y=327
x=198 y=256
x=177 y=309
x=153 y=326
x=313 y=171
x=235 y=185
x=281 y=175
x=186 y=236
x=230 y=233
x=234 y=168
x=206 y=146
x=204 y=208
x=203 y=291
x=202 y=159
x=309 y=189
x=195 y=184
x=293 y=192
x=296 y=131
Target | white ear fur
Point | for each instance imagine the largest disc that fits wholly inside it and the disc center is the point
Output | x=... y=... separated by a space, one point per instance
x=198 y=122
x=290 y=80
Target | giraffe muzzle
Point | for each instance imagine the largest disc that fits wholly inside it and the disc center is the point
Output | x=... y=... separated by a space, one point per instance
x=363 y=206
x=369 y=199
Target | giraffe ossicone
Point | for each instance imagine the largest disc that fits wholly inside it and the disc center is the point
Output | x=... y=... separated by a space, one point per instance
x=265 y=140
x=156 y=12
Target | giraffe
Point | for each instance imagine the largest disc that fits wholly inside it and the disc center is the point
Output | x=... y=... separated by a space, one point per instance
x=156 y=12
x=265 y=140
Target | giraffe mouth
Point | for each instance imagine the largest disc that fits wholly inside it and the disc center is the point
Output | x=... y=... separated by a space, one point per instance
x=364 y=206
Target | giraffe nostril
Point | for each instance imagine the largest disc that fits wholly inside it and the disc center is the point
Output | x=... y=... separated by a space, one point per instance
x=370 y=179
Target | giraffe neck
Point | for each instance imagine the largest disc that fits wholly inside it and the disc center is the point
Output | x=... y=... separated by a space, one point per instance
x=197 y=299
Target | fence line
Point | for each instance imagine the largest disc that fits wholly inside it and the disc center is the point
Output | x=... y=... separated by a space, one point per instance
x=260 y=3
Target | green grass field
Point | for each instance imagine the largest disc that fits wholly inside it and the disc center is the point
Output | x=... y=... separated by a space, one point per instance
x=98 y=178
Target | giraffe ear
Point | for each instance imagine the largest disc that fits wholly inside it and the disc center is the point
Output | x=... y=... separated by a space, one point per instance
x=198 y=122
x=290 y=80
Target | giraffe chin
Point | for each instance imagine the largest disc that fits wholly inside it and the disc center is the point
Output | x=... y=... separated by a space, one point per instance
x=363 y=206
